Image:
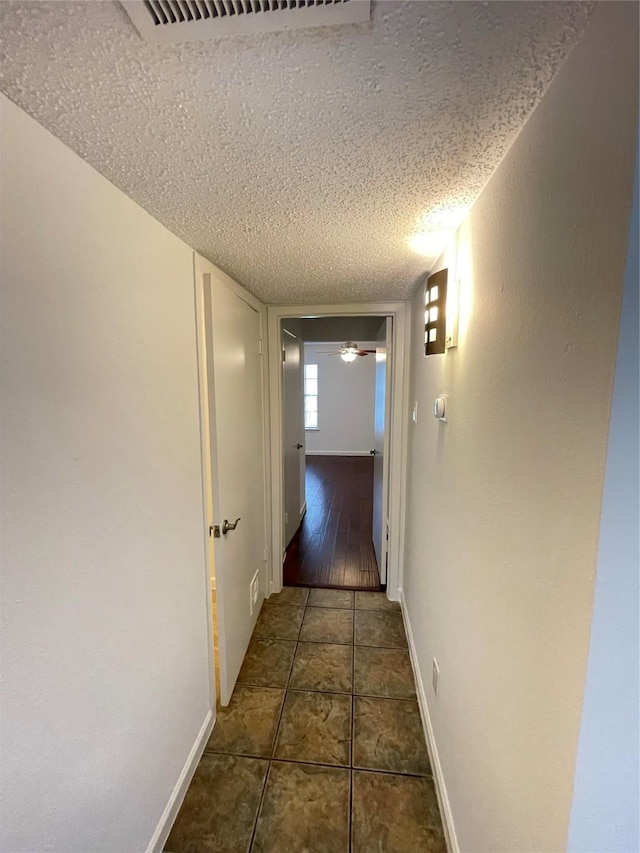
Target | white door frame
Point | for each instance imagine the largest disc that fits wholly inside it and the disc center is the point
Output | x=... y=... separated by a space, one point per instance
x=387 y=367
x=400 y=311
x=202 y=267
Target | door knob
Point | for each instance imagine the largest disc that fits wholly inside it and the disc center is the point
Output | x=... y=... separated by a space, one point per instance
x=229 y=525
x=299 y=446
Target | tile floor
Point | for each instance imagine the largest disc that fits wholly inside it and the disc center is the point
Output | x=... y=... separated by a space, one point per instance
x=321 y=749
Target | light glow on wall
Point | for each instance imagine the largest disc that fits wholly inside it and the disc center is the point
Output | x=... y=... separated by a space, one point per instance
x=429 y=244
x=464 y=280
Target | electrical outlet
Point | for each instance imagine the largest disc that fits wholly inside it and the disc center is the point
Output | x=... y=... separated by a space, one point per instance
x=414 y=413
x=435 y=676
x=253 y=591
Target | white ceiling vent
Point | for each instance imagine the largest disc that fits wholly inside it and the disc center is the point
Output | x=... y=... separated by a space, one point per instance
x=163 y=21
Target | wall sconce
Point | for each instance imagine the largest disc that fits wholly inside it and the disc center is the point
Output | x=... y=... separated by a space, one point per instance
x=441 y=305
x=435 y=313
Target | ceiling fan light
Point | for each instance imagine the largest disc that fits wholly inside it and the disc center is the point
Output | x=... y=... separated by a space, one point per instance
x=348 y=356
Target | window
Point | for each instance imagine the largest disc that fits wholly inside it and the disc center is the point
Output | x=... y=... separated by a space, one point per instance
x=311 y=396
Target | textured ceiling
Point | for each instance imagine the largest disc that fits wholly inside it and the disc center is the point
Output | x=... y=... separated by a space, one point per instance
x=300 y=163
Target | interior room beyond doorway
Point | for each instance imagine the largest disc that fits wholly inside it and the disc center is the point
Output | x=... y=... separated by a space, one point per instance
x=334 y=433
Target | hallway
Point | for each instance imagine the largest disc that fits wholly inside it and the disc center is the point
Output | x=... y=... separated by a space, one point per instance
x=321 y=748
x=333 y=546
x=170 y=207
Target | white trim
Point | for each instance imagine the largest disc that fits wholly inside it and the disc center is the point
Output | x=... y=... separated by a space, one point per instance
x=159 y=837
x=205 y=456
x=397 y=462
x=441 y=789
x=303 y=511
x=267 y=572
x=238 y=289
x=337 y=453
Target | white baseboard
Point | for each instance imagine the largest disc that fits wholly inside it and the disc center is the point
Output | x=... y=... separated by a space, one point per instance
x=303 y=510
x=172 y=808
x=441 y=789
x=337 y=453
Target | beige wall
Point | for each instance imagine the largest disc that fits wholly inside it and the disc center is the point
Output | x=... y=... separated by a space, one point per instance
x=504 y=500
x=105 y=662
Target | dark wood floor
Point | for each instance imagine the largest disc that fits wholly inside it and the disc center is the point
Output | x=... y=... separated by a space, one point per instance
x=333 y=546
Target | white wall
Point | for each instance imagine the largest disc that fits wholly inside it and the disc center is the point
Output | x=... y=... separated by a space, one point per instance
x=345 y=401
x=503 y=503
x=605 y=811
x=104 y=632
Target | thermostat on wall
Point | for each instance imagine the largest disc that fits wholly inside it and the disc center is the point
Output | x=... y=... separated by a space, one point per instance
x=439 y=408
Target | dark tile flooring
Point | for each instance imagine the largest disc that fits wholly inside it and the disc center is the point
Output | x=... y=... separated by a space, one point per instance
x=321 y=749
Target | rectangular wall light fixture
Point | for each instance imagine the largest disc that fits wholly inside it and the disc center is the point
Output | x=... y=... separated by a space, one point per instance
x=435 y=313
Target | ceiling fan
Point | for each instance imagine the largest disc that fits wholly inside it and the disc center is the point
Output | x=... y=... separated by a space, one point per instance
x=349 y=351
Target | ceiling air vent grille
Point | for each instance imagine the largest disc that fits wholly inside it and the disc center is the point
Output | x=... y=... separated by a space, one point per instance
x=163 y=21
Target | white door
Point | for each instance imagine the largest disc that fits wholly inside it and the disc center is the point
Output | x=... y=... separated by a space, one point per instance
x=381 y=447
x=234 y=392
x=293 y=431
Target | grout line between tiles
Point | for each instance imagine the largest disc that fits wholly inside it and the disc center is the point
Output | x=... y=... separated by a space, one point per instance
x=390 y=698
x=276 y=735
x=386 y=610
x=394 y=773
x=311 y=763
x=333 y=691
x=379 y=610
x=325 y=764
x=287 y=686
x=259 y=809
x=344 y=767
x=335 y=643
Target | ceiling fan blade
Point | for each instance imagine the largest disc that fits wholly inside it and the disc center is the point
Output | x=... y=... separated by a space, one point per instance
x=366 y=352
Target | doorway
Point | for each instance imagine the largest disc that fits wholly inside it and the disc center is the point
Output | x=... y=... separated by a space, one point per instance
x=320 y=441
x=334 y=397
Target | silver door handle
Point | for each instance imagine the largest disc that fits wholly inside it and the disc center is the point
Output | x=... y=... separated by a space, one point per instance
x=299 y=446
x=229 y=525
